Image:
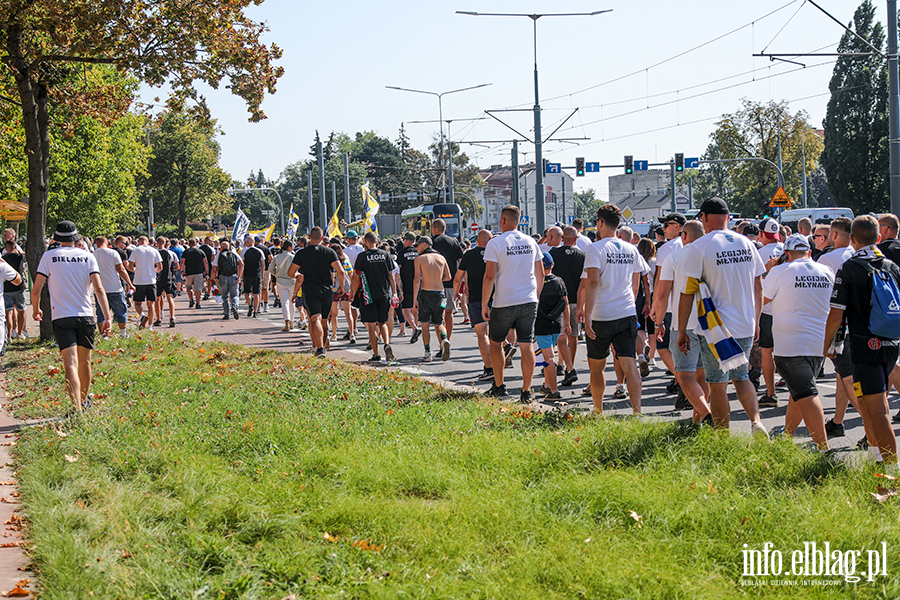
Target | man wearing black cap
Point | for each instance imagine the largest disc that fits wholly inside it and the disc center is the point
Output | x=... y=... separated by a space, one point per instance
x=406 y=258
x=452 y=251
x=729 y=265
x=671 y=226
x=71 y=273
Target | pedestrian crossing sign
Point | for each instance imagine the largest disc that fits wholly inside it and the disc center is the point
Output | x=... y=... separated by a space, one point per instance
x=780 y=199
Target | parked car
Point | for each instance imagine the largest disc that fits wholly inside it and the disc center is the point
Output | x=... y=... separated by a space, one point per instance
x=792 y=217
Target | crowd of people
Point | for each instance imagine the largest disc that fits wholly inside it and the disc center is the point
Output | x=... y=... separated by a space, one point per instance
x=717 y=302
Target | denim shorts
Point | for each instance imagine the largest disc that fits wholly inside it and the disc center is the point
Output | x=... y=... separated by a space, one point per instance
x=520 y=316
x=117 y=308
x=14 y=300
x=686 y=363
x=711 y=365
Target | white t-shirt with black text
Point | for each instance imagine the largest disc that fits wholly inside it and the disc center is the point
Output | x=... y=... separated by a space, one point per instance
x=618 y=261
x=68 y=271
x=145 y=258
x=515 y=254
x=801 y=299
x=729 y=264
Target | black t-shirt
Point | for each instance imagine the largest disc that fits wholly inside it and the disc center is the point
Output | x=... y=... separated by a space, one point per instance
x=208 y=251
x=452 y=251
x=314 y=262
x=407 y=262
x=193 y=261
x=266 y=253
x=252 y=257
x=167 y=256
x=376 y=265
x=853 y=291
x=552 y=295
x=568 y=264
x=473 y=264
x=891 y=250
x=17 y=262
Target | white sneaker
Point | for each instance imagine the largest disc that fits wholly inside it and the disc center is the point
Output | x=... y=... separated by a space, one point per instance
x=23 y=334
x=13 y=334
x=757 y=428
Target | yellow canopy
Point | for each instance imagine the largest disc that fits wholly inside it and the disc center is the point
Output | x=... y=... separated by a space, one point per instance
x=13 y=211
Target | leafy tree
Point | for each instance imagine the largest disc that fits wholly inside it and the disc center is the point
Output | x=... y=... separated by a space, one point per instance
x=857 y=155
x=466 y=178
x=162 y=42
x=383 y=163
x=586 y=205
x=712 y=179
x=753 y=131
x=184 y=174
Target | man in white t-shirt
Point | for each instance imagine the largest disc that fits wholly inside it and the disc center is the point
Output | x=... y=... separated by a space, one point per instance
x=688 y=365
x=613 y=268
x=839 y=240
x=145 y=261
x=672 y=225
x=353 y=249
x=730 y=266
x=70 y=273
x=514 y=273
x=553 y=239
x=112 y=274
x=7 y=273
x=771 y=251
x=799 y=293
x=583 y=241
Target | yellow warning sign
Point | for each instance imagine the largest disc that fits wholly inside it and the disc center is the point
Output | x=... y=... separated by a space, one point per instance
x=780 y=199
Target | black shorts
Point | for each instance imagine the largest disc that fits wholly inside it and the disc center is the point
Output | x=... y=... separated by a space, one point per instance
x=408 y=298
x=145 y=293
x=432 y=306
x=376 y=311
x=799 y=373
x=74 y=331
x=621 y=333
x=318 y=302
x=252 y=284
x=520 y=317
x=873 y=378
x=163 y=287
x=765 y=332
x=842 y=363
x=475 y=317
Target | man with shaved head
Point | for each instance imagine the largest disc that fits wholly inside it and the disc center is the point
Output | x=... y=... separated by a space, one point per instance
x=471 y=269
x=568 y=263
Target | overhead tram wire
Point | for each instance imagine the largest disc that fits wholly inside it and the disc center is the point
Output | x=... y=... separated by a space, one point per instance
x=667 y=60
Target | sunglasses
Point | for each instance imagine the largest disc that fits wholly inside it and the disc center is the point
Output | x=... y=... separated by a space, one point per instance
x=818 y=235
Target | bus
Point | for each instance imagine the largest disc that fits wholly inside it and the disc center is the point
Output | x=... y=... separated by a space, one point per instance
x=418 y=219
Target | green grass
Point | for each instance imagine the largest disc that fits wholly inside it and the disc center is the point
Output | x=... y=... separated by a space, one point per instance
x=214 y=471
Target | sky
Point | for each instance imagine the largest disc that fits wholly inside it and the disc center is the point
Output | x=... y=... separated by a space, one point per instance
x=648 y=79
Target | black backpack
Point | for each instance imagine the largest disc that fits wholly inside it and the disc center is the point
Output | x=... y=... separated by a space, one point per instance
x=228 y=263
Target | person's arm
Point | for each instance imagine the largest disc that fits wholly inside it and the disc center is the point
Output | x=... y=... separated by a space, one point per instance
x=445 y=274
x=487 y=288
x=17 y=280
x=635 y=284
x=292 y=270
x=685 y=304
x=757 y=302
x=240 y=270
x=417 y=282
x=123 y=275
x=39 y=280
x=590 y=298
x=100 y=293
x=158 y=266
x=567 y=328
x=579 y=302
x=661 y=302
x=355 y=282
x=835 y=318
x=129 y=265
x=457 y=281
x=205 y=265
x=539 y=275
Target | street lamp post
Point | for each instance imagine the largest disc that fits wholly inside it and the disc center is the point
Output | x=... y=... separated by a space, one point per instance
x=233 y=191
x=441 y=125
x=540 y=198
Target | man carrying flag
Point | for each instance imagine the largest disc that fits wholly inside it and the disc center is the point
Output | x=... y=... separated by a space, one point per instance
x=371 y=209
x=293 y=222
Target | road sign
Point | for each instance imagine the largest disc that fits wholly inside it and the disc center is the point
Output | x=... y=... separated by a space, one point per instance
x=474 y=227
x=592 y=167
x=691 y=163
x=780 y=199
x=682 y=202
x=554 y=168
x=523 y=220
x=641 y=165
x=627 y=213
x=571 y=219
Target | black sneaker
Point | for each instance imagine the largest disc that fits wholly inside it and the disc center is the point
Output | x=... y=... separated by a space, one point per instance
x=707 y=420
x=560 y=371
x=673 y=386
x=526 y=397
x=682 y=403
x=497 y=391
x=143 y=322
x=205 y=297
x=374 y=360
x=486 y=375
x=509 y=351
x=768 y=402
x=157 y=322
x=235 y=313
x=171 y=322
x=226 y=318
x=346 y=336
x=388 y=353
x=249 y=312
x=191 y=304
x=553 y=396
x=570 y=378
x=863 y=444
x=834 y=429
x=368 y=346
x=415 y=335
x=198 y=306
x=620 y=393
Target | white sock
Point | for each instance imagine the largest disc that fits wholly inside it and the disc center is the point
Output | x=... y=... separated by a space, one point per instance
x=875 y=453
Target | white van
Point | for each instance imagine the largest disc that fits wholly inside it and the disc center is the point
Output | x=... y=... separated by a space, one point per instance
x=791 y=218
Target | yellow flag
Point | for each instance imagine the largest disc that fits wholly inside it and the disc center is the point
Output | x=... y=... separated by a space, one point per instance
x=266 y=233
x=333 y=227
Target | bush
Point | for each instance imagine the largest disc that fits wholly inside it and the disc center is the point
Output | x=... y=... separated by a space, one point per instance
x=170 y=231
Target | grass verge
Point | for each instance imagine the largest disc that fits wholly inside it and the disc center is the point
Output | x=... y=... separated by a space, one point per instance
x=216 y=471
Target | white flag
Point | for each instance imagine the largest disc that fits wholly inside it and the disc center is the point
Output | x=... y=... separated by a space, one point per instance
x=241 y=226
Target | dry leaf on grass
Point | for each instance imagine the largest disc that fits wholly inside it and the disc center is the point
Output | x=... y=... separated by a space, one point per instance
x=329 y=537
x=366 y=546
x=636 y=517
x=16 y=592
x=11 y=544
x=7 y=500
x=71 y=458
x=886 y=476
x=10 y=482
x=885 y=493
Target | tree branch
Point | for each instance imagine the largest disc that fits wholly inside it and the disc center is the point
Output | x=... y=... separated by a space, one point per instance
x=78 y=59
x=10 y=100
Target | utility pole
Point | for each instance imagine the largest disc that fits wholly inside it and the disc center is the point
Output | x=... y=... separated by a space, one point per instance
x=803 y=153
x=514 y=193
x=780 y=167
x=672 y=179
x=450 y=162
x=563 y=200
x=347 y=216
x=333 y=198
x=894 y=106
x=322 y=207
x=309 y=183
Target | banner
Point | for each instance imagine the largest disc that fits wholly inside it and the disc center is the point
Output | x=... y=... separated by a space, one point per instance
x=266 y=234
x=293 y=222
x=241 y=225
x=334 y=228
x=371 y=209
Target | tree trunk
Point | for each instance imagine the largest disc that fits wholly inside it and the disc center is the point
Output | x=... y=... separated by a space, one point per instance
x=33 y=97
x=182 y=210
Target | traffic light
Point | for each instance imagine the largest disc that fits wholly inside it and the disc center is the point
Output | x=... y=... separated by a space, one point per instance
x=629 y=164
x=579 y=166
x=679 y=161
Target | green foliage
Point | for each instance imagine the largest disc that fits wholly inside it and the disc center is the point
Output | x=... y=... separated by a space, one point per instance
x=215 y=471
x=857 y=154
x=172 y=231
x=586 y=205
x=753 y=131
x=184 y=176
x=293 y=185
